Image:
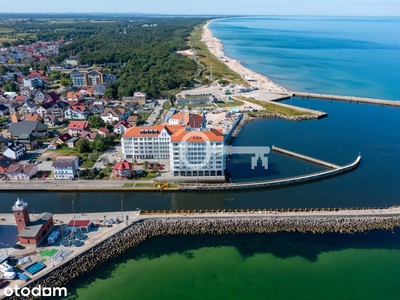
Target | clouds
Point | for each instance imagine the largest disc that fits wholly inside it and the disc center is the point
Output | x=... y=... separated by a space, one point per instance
x=246 y=7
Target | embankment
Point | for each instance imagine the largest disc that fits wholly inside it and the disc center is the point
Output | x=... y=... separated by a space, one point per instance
x=140 y=231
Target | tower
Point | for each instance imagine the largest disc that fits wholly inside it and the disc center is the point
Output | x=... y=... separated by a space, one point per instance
x=15 y=117
x=21 y=214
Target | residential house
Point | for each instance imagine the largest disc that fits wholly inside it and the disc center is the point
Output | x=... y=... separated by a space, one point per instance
x=19 y=171
x=89 y=135
x=134 y=120
x=14 y=150
x=33 y=117
x=76 y=112
x=14 y=114
x=138 y=98
x=65 y=167
x=75 y=128
x=179 y=119
x=38 y=74
x=196 y=121
x=29 y=107
x=28 y=140
x=40 y=96
x=30 y=127
x=121 y=127
x=21 y=99
x=96 y=109
x=51 y=97
x=103 y=131
x=63 y=138
x=58 y=109
x=51 y=121
x=4 y=110
x=123 y=169
x=114 y=114
x=5 y=162
x=44 y=109
x=28 y=91
x=74 y=97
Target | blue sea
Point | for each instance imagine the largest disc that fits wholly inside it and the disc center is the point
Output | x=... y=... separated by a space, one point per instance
x=356 y=56
x=348 y=56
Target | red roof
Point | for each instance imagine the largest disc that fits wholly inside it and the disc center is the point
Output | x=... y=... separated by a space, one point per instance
x=213 y=135
x=123 y=123
x=79 y=223
x=123 y=165
x=104 y=130
x=79 y=125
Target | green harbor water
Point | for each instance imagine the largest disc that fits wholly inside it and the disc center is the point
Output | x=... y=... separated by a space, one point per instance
x=282 y=266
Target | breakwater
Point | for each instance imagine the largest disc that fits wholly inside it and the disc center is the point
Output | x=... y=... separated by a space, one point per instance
x=138 y=232
x=306 y=158
x=350 y=99
x=288 y=118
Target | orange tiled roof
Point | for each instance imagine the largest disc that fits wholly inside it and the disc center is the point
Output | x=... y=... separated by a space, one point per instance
x=214 y=135
x=79 y=125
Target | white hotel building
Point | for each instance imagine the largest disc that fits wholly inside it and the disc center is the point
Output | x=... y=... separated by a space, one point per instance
x=192 y=152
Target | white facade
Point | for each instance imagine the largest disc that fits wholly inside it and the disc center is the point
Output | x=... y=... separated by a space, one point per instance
x=65 y=167
x=15 y=151
x=189 y=158
x=147 y=146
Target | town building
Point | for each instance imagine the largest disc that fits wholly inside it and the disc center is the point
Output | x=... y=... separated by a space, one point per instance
x=14 y=150
x=121 y=127
x=123 y=169
x=19 y=171
x=31 y=232
x=76 y=112
x=147 y=142
x=197 y=152
x=75 y=128
x=79 y=225
x=65 y=167
x=114 y=114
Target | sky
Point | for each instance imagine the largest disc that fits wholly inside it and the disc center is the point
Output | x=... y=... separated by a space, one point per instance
x=212 y=7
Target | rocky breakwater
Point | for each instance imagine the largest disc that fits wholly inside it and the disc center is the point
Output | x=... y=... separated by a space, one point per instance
x=138 y=232
x=289 y=118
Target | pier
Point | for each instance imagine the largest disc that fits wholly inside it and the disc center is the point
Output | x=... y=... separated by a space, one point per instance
x=350 y=99
x=306 y=158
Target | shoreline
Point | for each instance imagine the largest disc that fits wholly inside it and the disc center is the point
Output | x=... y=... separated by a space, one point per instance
x=216 y=48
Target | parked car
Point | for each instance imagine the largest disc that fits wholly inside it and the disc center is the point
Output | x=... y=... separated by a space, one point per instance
x=18 y=246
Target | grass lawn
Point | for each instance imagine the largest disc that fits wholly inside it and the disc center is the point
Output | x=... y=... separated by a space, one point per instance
x=48 y=252
x=139 y=185
x=231 y=103
x=89 y=159
x=204 y=56
x=128 y=185
x=275 y=108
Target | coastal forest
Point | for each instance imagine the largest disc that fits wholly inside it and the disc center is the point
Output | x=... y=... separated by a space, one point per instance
x=144 y=48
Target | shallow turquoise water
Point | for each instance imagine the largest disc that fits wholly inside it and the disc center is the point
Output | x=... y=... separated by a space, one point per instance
x=223 y=272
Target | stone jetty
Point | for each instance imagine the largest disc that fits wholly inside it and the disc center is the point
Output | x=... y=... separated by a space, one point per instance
x=269 y=222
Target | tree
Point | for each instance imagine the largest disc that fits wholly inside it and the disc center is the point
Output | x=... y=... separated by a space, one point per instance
x=55 y=76
x=6 y=44
x=3 y=70
x=82 y=146
x=11 y=86
x=96 y=122
x=64 y=82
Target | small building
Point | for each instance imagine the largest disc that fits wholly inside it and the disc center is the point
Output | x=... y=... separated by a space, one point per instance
x=28 y=140
x=31 y=232
x=18 y=171
x=79 y=225
x=134 y=120
x=103 y=131
x=75 y=128
x=123 y=169
x=121 y=127
x=15 y=150
x=65 y=167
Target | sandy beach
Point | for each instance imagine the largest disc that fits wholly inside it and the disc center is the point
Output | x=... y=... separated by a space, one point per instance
x=260 y=81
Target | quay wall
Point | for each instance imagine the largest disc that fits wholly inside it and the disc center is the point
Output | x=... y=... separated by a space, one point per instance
x=146 y=228
x=347 y=98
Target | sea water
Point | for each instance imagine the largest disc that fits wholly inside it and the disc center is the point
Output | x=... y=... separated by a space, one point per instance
x=349 y=56
x=356 y=56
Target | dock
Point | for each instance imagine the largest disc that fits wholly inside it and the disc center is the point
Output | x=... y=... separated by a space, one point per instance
x=306 y=158
x=350 y=99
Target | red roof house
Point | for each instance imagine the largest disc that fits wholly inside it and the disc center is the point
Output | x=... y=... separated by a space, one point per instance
x=123 y=169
